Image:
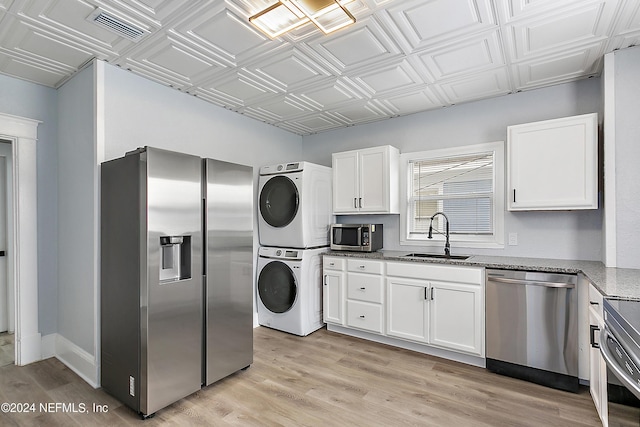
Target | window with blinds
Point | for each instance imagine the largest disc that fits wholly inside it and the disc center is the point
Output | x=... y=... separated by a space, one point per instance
x=461 y=186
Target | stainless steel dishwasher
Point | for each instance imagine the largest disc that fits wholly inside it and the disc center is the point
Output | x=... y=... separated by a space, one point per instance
x=532 y=327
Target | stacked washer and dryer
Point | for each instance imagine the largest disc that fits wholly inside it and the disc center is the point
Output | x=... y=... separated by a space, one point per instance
x=293 y=225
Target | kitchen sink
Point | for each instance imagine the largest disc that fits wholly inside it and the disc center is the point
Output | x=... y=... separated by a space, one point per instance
x=442 y=256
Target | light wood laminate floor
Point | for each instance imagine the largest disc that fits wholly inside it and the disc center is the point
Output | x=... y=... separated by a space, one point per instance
x=325 y=379
x=6 y=349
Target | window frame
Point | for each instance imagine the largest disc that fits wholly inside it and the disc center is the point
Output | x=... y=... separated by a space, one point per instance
x=488 y=241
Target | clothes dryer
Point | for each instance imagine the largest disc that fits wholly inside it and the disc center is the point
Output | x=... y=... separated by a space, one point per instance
x=290 y=289
x=294 y=205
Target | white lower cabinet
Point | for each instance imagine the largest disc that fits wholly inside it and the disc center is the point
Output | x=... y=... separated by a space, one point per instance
x=365 y=291
x=333 y=298
x=597 y=365
x=432 y=305
x=407 y=308
x=447 y=315
x=456 y=317
x=364 y=315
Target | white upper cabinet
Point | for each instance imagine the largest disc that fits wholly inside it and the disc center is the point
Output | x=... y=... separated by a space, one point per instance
x=366 y=181
x=553 y=164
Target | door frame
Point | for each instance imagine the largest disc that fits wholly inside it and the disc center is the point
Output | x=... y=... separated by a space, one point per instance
x=22 y=133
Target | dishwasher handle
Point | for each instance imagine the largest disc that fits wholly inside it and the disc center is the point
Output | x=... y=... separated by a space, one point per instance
x=530 y=282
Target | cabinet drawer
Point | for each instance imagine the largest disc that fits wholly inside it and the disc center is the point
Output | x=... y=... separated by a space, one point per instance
x=427 y=271
x=365 y=287
x=595 y=297
x=365 y=266
x=332 y=263
x=364 y=315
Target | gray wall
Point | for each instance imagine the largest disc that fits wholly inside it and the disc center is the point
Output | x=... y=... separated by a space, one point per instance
x=24 y=99
x=563 y=235
x=140 y=112
x=627 y=156
x=77 y=211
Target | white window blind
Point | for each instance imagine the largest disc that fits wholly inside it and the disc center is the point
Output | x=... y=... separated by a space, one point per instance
x=461 y=186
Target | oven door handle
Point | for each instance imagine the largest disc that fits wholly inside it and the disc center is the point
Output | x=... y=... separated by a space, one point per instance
x=613 y=365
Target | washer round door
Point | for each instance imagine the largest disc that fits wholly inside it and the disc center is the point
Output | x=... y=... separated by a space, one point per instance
x=279 y=201
x=277 y=287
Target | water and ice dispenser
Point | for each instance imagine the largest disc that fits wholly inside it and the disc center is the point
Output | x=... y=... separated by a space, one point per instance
x=175 y=258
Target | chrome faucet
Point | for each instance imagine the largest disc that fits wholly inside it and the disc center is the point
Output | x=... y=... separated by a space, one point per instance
x=447 y=246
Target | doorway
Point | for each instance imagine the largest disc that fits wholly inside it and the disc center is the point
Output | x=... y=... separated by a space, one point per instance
x=22 y=252
x=7 y=292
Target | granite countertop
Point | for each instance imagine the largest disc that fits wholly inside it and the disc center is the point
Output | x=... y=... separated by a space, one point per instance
x=611 y=282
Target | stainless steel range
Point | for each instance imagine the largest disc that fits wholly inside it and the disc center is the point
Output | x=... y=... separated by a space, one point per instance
x=620 y=348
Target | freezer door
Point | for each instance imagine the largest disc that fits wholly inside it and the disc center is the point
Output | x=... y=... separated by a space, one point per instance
x=229 y=268
x=171 y=304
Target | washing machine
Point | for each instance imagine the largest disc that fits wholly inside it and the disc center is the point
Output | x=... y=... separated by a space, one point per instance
x=294 y=205
x=290 y=289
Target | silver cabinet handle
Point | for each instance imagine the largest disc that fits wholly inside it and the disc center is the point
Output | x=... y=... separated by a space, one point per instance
x=431 y=294
x=325 y=280
x=362 y=267
x=592 y=338
x=360 y=202
x=530 y=282
x=426 y=295
x=594 y=303
x=355 y=202
x=362 y=316
x=363 y=289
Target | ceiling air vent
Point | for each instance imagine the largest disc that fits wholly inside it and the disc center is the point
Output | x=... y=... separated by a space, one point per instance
x=116 y=25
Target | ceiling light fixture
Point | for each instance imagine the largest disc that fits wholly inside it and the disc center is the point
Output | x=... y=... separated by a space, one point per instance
x=285 y=15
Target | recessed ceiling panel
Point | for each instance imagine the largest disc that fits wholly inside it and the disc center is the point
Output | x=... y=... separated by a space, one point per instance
x=32 y=41
x=469 y=56
x=426 y=22
x=362 y=112
x=68 y=19
x=278 y=109
x=413 y=101
x=288 y=70
x=393 y=77
x=356 y=47
x=316 y=122
x=157 y=10
x=169 y=56
x=478 y=86
x=567 y=66
x=239 y=89
x=580 y=25
x=327 y=95
x=30 y=70
x=513 y=9
x=225 y=31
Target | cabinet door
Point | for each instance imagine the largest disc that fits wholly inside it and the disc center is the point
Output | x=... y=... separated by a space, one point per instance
x=345 y=179
x=552 y=165
x=456 y=317
x=333 y=297
x=598 y=367
x=374 y=181
x=407 y=308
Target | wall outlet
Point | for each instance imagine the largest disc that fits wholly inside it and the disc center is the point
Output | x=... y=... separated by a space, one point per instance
x=513 y=239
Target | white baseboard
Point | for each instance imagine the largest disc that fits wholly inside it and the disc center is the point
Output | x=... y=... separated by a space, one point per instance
x=48 y=346
x=421 y=348
x=29 y=349
x=75 y=358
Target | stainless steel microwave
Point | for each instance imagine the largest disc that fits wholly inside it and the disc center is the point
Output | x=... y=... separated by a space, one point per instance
x=356 y=237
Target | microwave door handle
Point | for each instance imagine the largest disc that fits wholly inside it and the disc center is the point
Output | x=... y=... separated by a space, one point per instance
x=359 y=236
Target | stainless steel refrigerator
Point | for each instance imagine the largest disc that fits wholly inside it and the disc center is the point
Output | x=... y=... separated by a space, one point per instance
x=176 y=275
